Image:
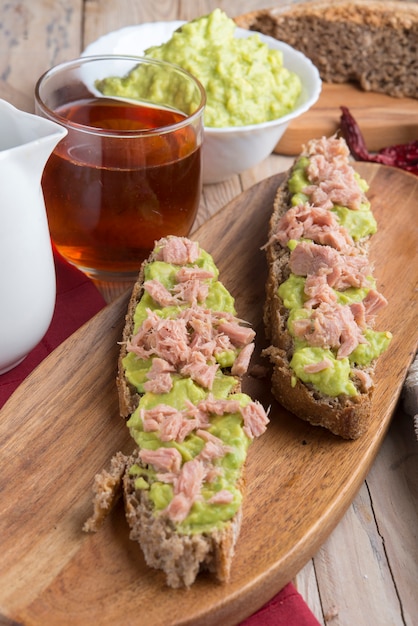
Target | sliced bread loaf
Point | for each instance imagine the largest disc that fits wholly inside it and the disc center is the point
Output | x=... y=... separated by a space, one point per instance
x=372 y=42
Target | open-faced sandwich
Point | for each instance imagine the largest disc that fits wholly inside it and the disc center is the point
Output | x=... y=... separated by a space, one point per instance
x=183 y=354
x=321 y=297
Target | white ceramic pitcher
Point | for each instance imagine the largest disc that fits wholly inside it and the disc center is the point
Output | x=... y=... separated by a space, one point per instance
x=27 y=273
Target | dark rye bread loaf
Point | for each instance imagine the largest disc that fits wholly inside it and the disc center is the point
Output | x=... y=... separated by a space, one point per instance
x=180 y=555
x=344 y=415
x=371 y=42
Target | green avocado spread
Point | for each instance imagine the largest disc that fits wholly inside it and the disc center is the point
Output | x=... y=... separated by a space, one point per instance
x=245 y=81
x=337 y=378
x=218 y=299
x=359 y=223
x=204 y=516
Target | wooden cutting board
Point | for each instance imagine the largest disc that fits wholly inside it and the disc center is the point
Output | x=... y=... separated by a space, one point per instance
x=383 y=120
x=61 y=426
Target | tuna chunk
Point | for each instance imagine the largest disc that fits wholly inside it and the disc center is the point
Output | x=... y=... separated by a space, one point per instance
x=162 y=459
x=255 y=419
x=313 y=222
x=342 y=271
x=330 y=326
x=179 y=251
x=332 y=177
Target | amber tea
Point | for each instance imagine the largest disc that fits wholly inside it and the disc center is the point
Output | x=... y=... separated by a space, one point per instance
x=108 y=199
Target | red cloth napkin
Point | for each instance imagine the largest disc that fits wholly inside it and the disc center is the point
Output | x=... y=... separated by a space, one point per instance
x=77 y=301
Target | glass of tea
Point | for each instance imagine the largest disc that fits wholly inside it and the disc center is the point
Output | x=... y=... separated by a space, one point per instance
x=129 y=170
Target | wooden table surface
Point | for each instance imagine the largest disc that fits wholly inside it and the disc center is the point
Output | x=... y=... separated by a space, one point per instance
x=367 y=570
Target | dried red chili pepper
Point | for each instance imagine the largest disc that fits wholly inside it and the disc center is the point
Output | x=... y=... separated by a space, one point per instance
x=403 y=156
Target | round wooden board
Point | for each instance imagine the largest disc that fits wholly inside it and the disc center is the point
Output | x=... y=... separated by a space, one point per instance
x=61 y=426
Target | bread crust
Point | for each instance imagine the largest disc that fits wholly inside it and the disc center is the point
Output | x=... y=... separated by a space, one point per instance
x=108 y=490
x=371 y=42
x=345 y=416
x=127 y=394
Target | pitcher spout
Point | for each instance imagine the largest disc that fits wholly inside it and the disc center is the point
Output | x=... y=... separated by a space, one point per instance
x=27 y=136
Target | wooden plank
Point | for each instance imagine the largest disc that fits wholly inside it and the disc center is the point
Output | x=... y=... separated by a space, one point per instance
x=367 y=569
x=34 y=37
x=353 y=559
x=394 y=501
x=104 y=16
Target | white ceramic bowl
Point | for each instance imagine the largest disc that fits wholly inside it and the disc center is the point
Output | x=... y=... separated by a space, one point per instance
x=231 y=150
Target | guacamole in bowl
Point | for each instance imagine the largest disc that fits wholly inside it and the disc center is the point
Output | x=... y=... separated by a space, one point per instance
x=255 y=85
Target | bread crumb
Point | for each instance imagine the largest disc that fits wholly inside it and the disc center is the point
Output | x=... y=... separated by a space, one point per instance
x=331 y=613
x=259 y=371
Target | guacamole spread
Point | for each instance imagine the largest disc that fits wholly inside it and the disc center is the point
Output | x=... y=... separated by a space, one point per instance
x=245 y=81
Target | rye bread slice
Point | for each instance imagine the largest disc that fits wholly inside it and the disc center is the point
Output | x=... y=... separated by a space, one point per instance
x=181 y=557
x=345 y=416
x=371 y=42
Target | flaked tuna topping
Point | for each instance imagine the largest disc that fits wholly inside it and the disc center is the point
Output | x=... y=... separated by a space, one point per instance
x=342 y=271
x=318 y=291
x=319 y=366
x=373 y=302
x=180 y=344
x=332 y=177
x=188 y=478
x=364 y=312
x=335 y=312
x=332 y=185
x=199 y=370
x=330 y=326
x=363 y=378
x=221 y=497
x=159 y=376
x=191 y=288
x=255 y=419
x=242 y=362
x=187 y=485
x=165 y=338
x=178 y=251
x=172 y=424
x=189 y=343
x=163 y=459
x=218 y=406
x=332 y=148
x=313 y=222
x=214 y=447
x=239 y=335
x=192 y=273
